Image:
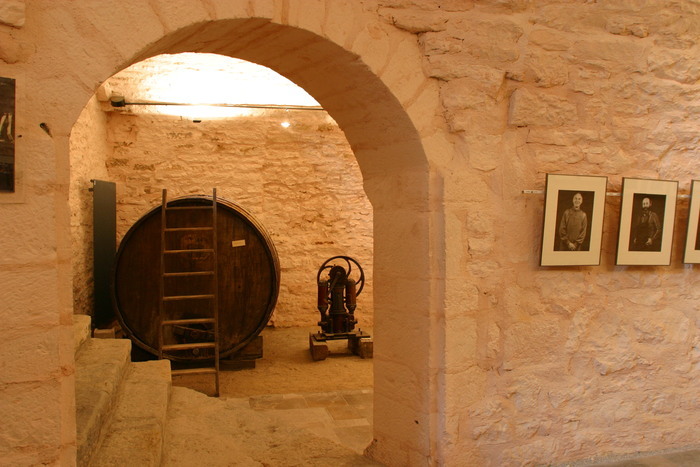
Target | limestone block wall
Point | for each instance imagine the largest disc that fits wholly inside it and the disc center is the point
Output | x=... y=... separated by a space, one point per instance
x=89 y=150
x=502 y=362
x=302 y=183
x=574 y=361
x=37 y=394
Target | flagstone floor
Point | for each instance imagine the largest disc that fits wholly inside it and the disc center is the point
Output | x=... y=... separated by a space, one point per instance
x=333 y=398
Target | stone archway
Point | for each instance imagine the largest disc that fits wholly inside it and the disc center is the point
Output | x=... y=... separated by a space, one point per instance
x=397 y=180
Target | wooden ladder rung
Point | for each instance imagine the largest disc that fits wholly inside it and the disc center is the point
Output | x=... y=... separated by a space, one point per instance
x=194 y=371
x=173 y=322
x=191 y=346
x=172 y=298
x=188 y=273
x=213 y=297
x=192 y=250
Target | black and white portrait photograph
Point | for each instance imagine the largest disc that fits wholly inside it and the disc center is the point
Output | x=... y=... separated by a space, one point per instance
x=647 y=214
x=7 y=134
x=691 y=253
x=574 y=212
x=647 y=222
x=573 y=220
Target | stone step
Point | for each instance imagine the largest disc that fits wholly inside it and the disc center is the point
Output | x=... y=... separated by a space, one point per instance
x=100 y=366
x=81 y=330
x=135 y=434
x=210 y=431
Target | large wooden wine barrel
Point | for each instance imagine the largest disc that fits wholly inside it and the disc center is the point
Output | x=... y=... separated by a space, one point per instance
x=248 y=277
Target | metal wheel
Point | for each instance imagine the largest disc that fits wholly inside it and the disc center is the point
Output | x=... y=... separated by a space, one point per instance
x=349 y=262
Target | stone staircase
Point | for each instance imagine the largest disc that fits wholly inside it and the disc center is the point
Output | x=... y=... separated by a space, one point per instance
x=121 y=406
x=128 y=413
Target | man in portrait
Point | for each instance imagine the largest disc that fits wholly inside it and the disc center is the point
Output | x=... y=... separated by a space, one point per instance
x=573 y=226
x=646 y=230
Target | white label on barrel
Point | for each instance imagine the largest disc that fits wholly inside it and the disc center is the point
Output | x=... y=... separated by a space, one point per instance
x=236 y=243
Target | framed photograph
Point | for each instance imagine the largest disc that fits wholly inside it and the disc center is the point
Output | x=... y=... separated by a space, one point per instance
x=692 y=239
x=647 y=214
x=7 y=135
x=573 y=220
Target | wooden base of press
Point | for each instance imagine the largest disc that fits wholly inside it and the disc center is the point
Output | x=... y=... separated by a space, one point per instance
x=359 y=343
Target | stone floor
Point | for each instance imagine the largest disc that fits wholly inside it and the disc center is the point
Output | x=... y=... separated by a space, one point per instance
x=286 y=367
x=346 y=418
x=333 y=398
x=689 y=458
x=341 y=416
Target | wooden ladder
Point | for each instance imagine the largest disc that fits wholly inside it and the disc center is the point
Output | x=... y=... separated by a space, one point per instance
x=209 y=297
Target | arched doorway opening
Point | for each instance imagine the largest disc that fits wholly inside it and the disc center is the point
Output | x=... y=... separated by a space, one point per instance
x=396 y=178
x=267 y=147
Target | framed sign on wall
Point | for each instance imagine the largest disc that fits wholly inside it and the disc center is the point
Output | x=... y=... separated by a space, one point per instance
x=573 y=220
x=647 y=215
x=7 y=135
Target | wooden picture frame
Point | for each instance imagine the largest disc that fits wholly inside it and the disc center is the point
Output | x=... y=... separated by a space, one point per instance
x=691 y=254
x=572 y=230
x=647 y=216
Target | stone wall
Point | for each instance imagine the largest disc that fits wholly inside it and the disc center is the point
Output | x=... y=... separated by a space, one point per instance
x=89 y=150
x=498 y=361
x=577 y=361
